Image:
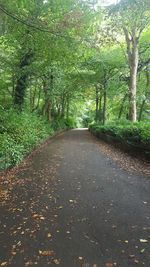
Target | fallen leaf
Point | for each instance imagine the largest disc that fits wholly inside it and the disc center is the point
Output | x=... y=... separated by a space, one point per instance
x=29 y=263
x=131 y=256
x=4 y=263
x=35 y=216
x=49 y=235
x=143 y=240
x=14 y=253
x=46 y=252
x=109 y=264
x=56 y=261
x=142 y=250
x=42 y=218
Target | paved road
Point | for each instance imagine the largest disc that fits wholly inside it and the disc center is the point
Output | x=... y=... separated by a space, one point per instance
x=72 y=207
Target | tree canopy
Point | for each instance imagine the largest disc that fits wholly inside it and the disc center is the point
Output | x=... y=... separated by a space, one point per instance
x=58 y=55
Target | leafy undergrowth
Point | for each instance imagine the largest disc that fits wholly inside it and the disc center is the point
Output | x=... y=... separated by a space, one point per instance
x=21 y=132
x=134 y=133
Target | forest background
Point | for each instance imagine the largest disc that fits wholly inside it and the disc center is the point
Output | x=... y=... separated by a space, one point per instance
x=72 y=63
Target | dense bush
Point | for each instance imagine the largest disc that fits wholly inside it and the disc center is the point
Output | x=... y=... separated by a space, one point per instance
x=136 y=133
x=61 y=123
x=70 y=123
x=20 y=133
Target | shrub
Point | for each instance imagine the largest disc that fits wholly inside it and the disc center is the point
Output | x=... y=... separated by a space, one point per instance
x=135 y=133
x=70 y=122
x=19 y=134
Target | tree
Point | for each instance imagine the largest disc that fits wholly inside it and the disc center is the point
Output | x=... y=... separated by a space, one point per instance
x=132 y=17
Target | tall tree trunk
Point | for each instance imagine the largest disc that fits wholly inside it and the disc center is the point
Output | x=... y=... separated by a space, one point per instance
x=141 y=109
x=96 y=102
x=33 y=96
x=100 y=107
x=38 y=100
x=147 y=90
x=63 y=104
x=47 y=104
x=68 y=106
x=133 y=58
x=105 y=103
x=21 y=84
x=132 y=85
x=47 y=107
x=122 y=106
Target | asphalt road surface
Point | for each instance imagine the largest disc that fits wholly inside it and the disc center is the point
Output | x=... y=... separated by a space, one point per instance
x=72 y=206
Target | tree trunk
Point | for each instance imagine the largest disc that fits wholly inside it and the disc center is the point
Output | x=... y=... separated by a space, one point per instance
x=33 y=98
x=21 y=84
x=38 y=101
x=133 y=81
x=68 y=106
x=105 y=103
x=122 y=106
x=63 y=104
x=97 y=103
x=100 y=107
x=133 y=58
x=147 y=90
x=141 y=109
x=47 y=104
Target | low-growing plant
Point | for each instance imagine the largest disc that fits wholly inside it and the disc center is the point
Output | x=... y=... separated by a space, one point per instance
x=20 y=133
x=135 y=133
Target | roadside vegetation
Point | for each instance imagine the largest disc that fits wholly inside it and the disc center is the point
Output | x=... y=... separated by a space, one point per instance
x=136 y=133
x=69 y=65
x=21 y=133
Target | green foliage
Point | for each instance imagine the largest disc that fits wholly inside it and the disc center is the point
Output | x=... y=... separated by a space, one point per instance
x=137 y=133
x=70 y=122
x=19 y=134
x=75 y=49
x=58 y=124
x=62 y=123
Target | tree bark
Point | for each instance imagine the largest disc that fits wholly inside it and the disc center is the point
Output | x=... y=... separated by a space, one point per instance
x=47 y=104
x=122 y=106
x=133 y=58
x=21 y=84
x=147 y=90
x=97 y=103
x=105 y=103
x=132 y=85
x=63 y=104
x=100 y=111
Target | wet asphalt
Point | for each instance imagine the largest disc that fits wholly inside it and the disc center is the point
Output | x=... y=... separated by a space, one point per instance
x=72 y=206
